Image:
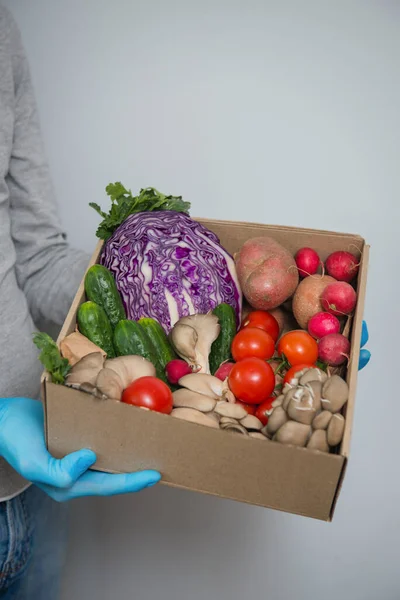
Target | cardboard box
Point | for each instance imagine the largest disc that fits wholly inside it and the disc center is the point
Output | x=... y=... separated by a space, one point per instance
x=194 y=457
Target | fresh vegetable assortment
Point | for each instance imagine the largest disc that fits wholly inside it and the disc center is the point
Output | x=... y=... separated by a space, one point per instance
x=162 y=327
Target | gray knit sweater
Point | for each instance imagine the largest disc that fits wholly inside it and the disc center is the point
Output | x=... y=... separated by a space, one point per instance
x=39 y=273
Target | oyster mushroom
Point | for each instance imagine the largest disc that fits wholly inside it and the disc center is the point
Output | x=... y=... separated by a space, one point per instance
x=214 y=416
x=184 y=339
x=335 y=394
x=278 y=401
x=118 y=373
x=194 y=416
x=335 y=430
x=130 y=368
x=187 y=399
x=293 y=392
x=252 y=423
x=276 y=420
x=109 y=383
x=235 y=411
x=315 y=388
x=294 y=381
x=192 y=338
x=85 y=370
x=318 y=441
x=321 y=421
x=313 y=374
x=208 y=385
x=235 y=427
x=224 y=420
x=303 y=407
x=88 y=388
x=291 y=432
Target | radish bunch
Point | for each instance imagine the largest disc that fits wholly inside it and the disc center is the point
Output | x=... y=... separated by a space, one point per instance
x=336 y=299
x=341 y=265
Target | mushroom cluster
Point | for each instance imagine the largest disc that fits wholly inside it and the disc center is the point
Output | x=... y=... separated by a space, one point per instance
x=206 y=400
x=108 y=379
x=307 y=413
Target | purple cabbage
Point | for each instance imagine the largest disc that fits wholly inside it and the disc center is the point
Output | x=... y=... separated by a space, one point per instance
x=167 y=266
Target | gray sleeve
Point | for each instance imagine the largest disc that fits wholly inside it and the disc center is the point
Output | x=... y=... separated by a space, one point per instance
x=48 y=270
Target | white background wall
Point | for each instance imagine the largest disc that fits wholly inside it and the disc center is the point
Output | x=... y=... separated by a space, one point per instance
x=282 y=112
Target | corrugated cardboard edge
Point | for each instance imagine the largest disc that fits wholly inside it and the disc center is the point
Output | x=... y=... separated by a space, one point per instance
x=286 y=228
x=63 y=332
x=352 y=375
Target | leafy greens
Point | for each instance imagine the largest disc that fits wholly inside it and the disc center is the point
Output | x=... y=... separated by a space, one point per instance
x=123 y=204
x=50 y=357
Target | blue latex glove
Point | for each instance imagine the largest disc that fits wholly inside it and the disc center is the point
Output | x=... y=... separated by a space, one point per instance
x=23 y=446
x=365 y=355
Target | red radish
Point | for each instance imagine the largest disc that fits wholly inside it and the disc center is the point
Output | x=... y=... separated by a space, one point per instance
x=307 y=261
x=339 y=298
x=223 y=371
x=176 y=369
x=322 y=324
x=342 y=265
x=334 y=349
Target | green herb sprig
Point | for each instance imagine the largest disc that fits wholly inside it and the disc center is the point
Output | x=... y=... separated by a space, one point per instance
x=50 y=357
x=123 y=204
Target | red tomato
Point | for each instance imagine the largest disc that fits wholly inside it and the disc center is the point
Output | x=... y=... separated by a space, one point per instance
x=262 y=319
x=298 y=347
x=149 y=392
x=252 y=342
x=252 y=380
x=265 y=409
x=250 y=408
x=291 y=373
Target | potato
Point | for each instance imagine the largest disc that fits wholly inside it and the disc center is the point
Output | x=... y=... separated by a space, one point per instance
x=267 y=273
x=307 y=299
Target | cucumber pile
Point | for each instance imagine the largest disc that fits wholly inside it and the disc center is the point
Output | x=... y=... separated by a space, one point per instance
x=102 y=319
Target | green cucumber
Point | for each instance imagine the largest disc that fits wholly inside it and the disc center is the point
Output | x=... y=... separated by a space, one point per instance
x=158 y=338
x=100 y=288
x=221 y=348
x=131 y=338
x=95 y=325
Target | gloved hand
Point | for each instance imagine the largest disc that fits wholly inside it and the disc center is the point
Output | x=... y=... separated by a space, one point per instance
x=365 y=355
x=22 y=444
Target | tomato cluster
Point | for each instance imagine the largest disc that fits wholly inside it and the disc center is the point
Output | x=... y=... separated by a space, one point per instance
x=252 y=379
